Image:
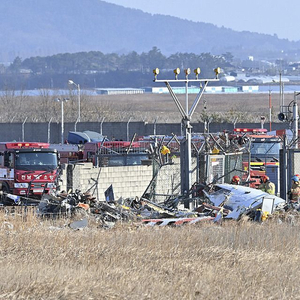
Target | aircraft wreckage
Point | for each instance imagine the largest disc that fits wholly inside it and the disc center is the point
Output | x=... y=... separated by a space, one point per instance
x=217 y=202
x=210 y=202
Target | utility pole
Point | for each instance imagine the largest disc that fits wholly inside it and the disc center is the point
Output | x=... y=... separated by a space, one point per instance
x=71 y=82
x=49 y=130
x=186 y=146
x=101 y=125
x=295 y=121
x=62 y=116
x=270 y=110
x=280 y=92
x=128 y=128
x=23 y=129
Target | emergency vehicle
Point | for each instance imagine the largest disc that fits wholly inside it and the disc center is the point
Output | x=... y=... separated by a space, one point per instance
x=115 y=153
x=264 y=153
x=28 y=169
x=105 y=153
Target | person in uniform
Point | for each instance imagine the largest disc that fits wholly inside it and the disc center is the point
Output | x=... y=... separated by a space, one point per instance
x=235 y=180
x=266 y=185
x=294 y=193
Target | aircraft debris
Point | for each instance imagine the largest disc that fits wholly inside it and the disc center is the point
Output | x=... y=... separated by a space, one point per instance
x=239 y=200
x=80 y=224
x=212 y=203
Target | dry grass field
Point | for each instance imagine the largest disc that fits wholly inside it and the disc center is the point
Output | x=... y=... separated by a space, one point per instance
x=45 y=260
x=246 y=107
x=221 y=107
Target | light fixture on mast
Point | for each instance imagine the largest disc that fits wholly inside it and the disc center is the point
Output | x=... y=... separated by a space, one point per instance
x=176 y=72
x=186 y=156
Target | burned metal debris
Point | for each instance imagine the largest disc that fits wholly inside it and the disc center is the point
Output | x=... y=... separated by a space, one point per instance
x=210 y=203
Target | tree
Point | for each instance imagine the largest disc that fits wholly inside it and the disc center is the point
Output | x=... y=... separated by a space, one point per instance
x=130 y=62
x=16 y=65
x=153 y=59
x=228 y=56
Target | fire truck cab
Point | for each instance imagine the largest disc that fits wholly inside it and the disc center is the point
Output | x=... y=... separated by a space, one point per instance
x=28 y=169
x=264 y=152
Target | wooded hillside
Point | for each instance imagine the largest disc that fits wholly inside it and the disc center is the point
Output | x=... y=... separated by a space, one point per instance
x=42 y=28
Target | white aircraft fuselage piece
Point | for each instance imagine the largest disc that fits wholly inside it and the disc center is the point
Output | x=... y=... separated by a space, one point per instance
x=240 y=199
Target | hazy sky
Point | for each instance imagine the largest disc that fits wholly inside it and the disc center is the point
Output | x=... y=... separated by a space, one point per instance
x=262 y=16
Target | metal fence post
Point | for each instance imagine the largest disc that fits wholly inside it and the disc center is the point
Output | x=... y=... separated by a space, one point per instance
x=23 y=129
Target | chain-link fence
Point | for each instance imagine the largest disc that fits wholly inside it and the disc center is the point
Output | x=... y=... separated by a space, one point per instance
x=165 y=182
x=289 y=166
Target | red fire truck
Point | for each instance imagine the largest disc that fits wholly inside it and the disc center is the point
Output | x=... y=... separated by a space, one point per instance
x=111 y=152
x=115 y=153
x=264 y=152
x=28 y=169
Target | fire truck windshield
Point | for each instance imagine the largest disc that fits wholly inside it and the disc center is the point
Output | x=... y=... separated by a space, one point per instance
x=265 y=148
x=36 y=161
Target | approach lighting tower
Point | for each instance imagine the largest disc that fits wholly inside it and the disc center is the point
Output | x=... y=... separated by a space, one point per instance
x=186 y=149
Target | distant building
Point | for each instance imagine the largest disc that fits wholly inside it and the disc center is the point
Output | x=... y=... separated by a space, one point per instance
x=229 y=89
x=208 y=89
x=177 y=90
x=213 y=89
x=119 y=91
x=249 y=88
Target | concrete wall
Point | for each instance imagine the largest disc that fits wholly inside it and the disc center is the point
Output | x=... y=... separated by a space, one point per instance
x=38 y=132
x=127 y=181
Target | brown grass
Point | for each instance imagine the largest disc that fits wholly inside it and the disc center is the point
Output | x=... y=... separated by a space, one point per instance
x=141 y=107
x=47 y=260
x=222 y=107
